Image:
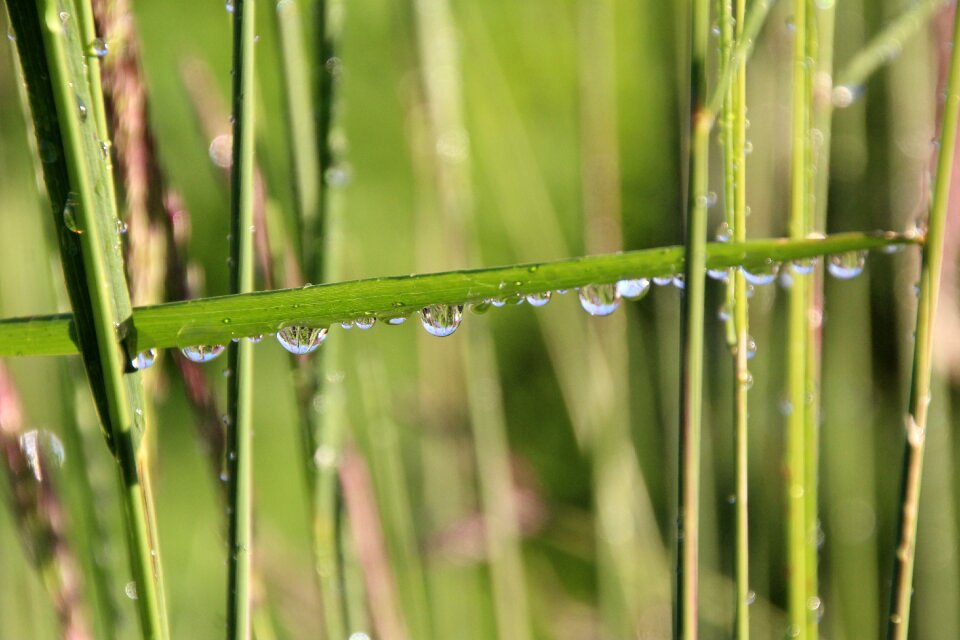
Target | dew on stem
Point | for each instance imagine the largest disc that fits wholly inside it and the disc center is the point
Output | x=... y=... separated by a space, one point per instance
x=441 y=320
x=301 y=340
x=601 y=299
x=202 y=353
x=845 y=266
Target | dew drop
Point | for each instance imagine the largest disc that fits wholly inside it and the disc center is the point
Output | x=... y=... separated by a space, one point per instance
x=130 y=589
x=480 y=308
x=228 y=5
x=747 y=147
x=82 y=109
x=720 y=275
x=347 y=325
x=762 y=275
x=364 y=322
x=497 y=302
x=441 y=319
x=70 y=212
x=600 y=299
x=751 y=348
x=100 y=47
x=255 y=339
x=662 y=281
x=633 y=289
x=845 y=95
x=144 y=359
x=724 y=232
x=121 y=227
x=538 y=299
x=337 y=175
x=751 y=596
x=221 y=150
x=723 y=313
x=711 y=198
x=301 y=340
x=40 y=447
x=679 y=281
x=203 y=352
x=396 y=320
x=847 y=265
x=64 y=16
x=358 y=635
x=803 y=266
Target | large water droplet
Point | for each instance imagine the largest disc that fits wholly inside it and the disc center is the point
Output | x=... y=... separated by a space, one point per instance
x=301 y=340
x=364 y=322
x=70 y=213
x=724 y=232
x=680 y=281
x=202 y=352
x=100 y=47
x=803 y=266
x=538 y=299
x=847 y=265
x=600 y=299
x=39 y=448
x=761 y=275
x=662 y=281
x=130 y=589
x=441 y=319
x=633 y=289
x=720 y=275
x=144 y=359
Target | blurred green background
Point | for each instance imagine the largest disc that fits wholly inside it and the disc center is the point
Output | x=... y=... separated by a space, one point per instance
x=569 y=141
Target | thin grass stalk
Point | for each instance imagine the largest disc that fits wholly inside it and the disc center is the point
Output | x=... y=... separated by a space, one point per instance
x=795 y=454
x=735 y=161
x=691 y=365
x=240 y=355
x=103 y=297
x=882 y=48
x=916 y=419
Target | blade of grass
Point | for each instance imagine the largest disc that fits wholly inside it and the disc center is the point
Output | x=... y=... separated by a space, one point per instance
x=53 y=62
x=916 y=419
x=883 y=48
x=218 y=319
x=239 y=443
x=735 y=173
x=691 y=334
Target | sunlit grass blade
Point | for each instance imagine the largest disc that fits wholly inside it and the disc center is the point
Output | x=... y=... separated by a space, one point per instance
x=916 y=418
x=78 y=180
x=218 y=319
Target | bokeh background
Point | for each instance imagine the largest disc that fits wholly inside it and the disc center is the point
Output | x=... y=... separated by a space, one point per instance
x=474 y=134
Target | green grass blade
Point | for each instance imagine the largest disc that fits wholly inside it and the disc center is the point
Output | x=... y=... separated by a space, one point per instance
x=60 y=96
x=883 y=48
x=217 y=320
x=691 y=336
x=239 y=443
x=916 y=419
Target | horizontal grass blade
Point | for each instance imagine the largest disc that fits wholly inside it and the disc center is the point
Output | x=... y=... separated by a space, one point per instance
x=217 y=320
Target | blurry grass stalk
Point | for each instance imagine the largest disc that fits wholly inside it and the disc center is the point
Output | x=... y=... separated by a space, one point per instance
x=797 y=452
x=882 y=49
x=691 y=349
x=735 y=202
x=59 y=91
x=239 y=444
x=916 y=418
x=443 y=94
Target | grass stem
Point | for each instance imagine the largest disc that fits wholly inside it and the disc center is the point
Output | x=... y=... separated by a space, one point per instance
x=898 y=624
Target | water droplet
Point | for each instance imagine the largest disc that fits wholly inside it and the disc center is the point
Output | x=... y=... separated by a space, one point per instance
x=751 y=348
x=105 y=149
x=724 y=232
x=845 y=95
x=600 y=299
x=334 y=66
x=255 y=339
x=803 y=266
x=751 y=596
x=747 y=147
x=895 y=618
x=100 y=47
x=324 y=457
x=144 y=359
x=40 y=447
x=130 y=589
x=337 y=175
x=301 y=340
x=715 y=30
x=747 y=381
x=82 y=108
x=11 y=37
x=793 y=631
x=364 y=322
x=723 y=313
x=847 y=265
x=732 y=498
x=538 y=299
x=790 y=24
x=633 y=289
x=121 y=227
x=711 y=198
x=480 y=308
x=70 y=212
x=221 y=150
x=662 y=281
x=227 y=372
x=348 y=324
x=679 y=282
x=203 y=352
x=396 y=320
x=228 y=5
x=358 y=635
x=720 y=275
x=441 y=319
x=761 y=275
x=64 y=16
x=496 y=302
